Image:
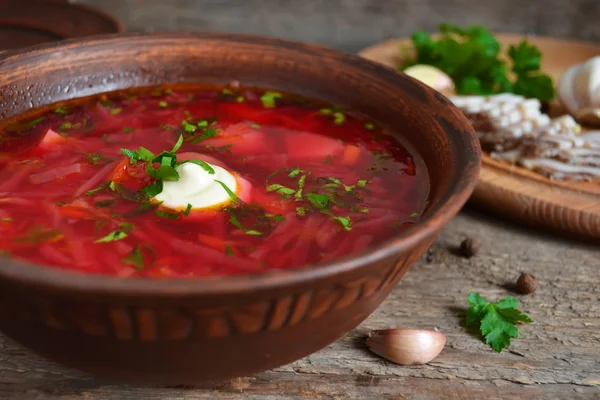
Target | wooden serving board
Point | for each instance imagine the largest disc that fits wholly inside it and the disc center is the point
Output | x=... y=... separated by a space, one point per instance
x=572 y=208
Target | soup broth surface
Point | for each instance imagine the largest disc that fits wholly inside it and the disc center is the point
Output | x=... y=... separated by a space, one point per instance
x=80 y=183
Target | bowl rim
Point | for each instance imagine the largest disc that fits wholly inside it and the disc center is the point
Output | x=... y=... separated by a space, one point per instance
x=464 y=146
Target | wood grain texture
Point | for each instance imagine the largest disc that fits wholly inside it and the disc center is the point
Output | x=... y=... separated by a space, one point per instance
x=555 y=358
x=572 y=208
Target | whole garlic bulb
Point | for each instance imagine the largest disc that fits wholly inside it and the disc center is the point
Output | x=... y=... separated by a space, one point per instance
x=579 y=91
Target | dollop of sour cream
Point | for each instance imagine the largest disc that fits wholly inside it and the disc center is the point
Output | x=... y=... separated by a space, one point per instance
x=197 y=187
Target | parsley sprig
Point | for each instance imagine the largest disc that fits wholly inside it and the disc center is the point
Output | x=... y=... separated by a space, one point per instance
x=471 y=57
x=496 y=321
x=161 y=167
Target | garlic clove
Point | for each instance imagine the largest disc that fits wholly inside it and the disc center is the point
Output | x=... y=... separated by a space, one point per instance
x=431 y=76
x=579 y=91
x=566 y=92
x=407 y=346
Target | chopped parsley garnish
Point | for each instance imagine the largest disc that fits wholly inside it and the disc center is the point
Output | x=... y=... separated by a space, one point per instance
x=115 y=111
x=96 y=159
x=118 y=234
x=254 y=126
x=188 y=127
x=344 y=221
x=40 y=234
x=227 y=91
x=65 y=126
x=269 y=99
x=94 y=191
x=338 y=118
x=229 y=251
x=370 y=126
x=137 y=258
x=233 y=220
x=232 y=195
x=112 y=186
x=60 y=110
x=163 y=104
x=153 y=189
x=128 y=129
x=200 y=163
x=104 y=203
x=166 y=214
x=188 y=209
x=34 y=122
x=415 y=214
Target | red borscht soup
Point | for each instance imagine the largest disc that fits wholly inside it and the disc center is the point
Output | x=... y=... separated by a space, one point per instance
x=200 y=181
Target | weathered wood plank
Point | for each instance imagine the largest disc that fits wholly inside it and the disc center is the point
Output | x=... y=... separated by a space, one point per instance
x=557 y=357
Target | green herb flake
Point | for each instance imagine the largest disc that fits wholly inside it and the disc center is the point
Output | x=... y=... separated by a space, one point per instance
x=252 y=232
x=115 y=111
x=137 y=258
x=370 y=126
x=326 y=111
x=361 y=183
x=415 y=214
x=318 y=200
x=294 y=172
x=200 y=163
x=232 y=195
x=227 y=92
x=61 y=110
x=178 y=144
x=229 y=251
x=163 y=104
x=167 y=215
x=34 y=122
x=94 y=191
x=286 y=191
x=118 y=234
x=498 y=321
x=344 y=221
x=269 y=99
x=254 y=126
x=338 y=118
x=202 y=124
x=153 y=189
x=188 y=209
x=188 y=127
x=128 y=129
x=240 y=99
x=112 y=186
x=301 y=211
x=65 y=126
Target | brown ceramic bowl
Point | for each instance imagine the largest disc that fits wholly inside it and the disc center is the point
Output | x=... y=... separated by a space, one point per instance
x=186 y=331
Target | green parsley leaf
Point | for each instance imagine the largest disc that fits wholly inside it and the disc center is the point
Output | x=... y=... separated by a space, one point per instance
x=229 y=251
x=415 y=214
x=112 y=186
x=269 y=99
x=166 y=214
x=286 y=191
x=326 y=111
x=65 y=126
x=201 y=163
x=338 y=118
x=471 y=57
x=119 y=234
x=96 y=190
x=137 y=258
x=370 y=126
x=294 y=172
x=318 y=200
x=227 y=91
x=128 y=129
x=188 y=209
x=153 y=189
x=34 y=122
x=252 y=232
x=188 y=127
x=178 y=144
x=232 y=195
x=163 y=104
x=497 y=321
x=60 y=110
x=142 y=154
x=115 y=111
x=344 y=221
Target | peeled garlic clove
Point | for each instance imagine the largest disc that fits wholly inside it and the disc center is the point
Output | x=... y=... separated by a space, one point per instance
x=407 y=346
x=431 y=76
x=579 y=91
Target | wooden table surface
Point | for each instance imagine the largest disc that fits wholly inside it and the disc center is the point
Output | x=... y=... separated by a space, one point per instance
x=557 y=357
